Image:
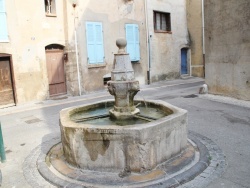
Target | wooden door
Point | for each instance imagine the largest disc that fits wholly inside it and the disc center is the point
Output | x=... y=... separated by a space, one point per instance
x=184 y=61
x=55 y=69
x=6 y=84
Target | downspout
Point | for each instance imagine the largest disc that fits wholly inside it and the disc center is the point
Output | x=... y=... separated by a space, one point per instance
x=148 y=42
x=77 y=65
x=76 y=49
x=203 y=36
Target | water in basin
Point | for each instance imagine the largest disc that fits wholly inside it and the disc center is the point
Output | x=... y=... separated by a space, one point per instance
x=100 y=115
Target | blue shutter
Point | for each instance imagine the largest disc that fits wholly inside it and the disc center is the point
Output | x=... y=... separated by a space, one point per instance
x=90 y=42
x=99 y=43
x=94 y=42
x=130 y=41
x=3 y=23
x=137 y=43
x=2 y=6
x=132 y=36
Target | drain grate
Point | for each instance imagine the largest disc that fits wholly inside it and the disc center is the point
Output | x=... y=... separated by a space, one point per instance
x=31 y=121
x=191 y=96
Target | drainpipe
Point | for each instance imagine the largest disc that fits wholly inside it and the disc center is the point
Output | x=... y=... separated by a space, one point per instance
x=203 y=35
x=149 y=59
x=76 y=49
x=77 y=65
x=148 y=41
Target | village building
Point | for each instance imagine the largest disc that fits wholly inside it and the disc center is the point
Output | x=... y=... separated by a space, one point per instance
x=29 y=31
x=51 y=48
x=169 y=54
x=195 y=25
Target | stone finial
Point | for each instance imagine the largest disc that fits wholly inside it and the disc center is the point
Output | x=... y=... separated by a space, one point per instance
x=121 y=43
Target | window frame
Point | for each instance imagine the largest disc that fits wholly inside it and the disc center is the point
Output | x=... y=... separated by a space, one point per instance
x=52 y=11
x=167 y=19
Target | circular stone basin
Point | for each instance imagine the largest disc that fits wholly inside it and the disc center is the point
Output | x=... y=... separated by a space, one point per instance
x=93 y=141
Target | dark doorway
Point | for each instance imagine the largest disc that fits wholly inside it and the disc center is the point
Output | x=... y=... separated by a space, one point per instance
x=6 y=82
x=55 y=69
x=184 y=69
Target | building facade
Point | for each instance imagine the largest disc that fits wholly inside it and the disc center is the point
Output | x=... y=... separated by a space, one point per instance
x=94 y=26
x=169 y=49
x=25 y=33
x=195 y=30
x=67 y=47
x=227 y=45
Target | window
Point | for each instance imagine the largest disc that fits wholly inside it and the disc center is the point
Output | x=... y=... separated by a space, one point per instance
x=94 y=42
x=162 y=22
x=3 y=23
x=133 y=45
x=50 y=7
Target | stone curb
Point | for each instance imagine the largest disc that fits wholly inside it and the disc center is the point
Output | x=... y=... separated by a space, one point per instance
x=210 y=166
x=215 y=169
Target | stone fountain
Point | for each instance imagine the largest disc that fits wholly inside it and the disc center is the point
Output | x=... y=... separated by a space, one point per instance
x=122 y=136
x=122 y=142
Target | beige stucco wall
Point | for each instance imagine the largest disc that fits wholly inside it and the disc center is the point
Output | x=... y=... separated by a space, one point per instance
x=228 y=47
x=29 y=32
x=165 y=48
x=194 y=23
x=113 y=14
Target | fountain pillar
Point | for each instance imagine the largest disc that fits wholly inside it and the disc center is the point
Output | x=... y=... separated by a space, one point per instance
x=123 y=85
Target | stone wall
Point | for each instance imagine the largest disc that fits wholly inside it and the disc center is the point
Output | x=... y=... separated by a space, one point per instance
x=228 y=47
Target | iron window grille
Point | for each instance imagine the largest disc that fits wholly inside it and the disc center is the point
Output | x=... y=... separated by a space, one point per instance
x=50 y=7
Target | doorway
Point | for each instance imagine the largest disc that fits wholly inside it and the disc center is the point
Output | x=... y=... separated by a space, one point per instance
x=184 y=64
x=6 y=82
x=55 y=70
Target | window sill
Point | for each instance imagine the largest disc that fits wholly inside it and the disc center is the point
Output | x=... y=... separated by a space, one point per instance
x=96 y=65
x=50 y=15
x=161 y=31
x=4 y=41
x=135 y=61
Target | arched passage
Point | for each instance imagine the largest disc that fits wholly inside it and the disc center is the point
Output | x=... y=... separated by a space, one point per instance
x=55 y=69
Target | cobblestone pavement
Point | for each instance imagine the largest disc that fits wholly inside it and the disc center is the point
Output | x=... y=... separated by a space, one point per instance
x=225 y=123
x=214 y=170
